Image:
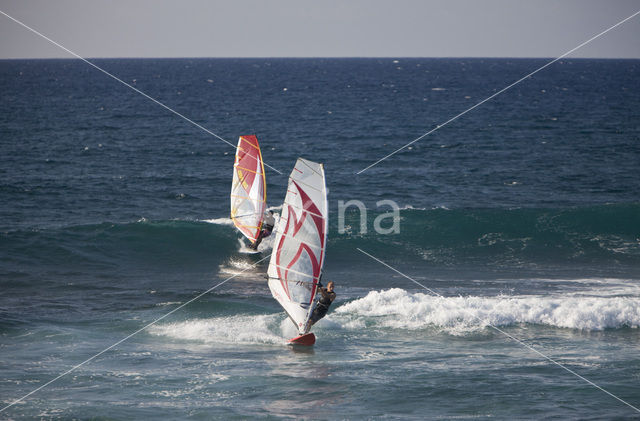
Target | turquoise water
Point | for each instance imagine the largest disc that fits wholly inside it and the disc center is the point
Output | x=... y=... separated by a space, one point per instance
x=523 y=214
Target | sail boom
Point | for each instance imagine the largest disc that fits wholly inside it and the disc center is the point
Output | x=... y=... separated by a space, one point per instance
x=285 y=280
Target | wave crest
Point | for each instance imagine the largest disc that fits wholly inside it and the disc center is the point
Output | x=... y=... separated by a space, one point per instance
x=257 y=329
x=398 y=309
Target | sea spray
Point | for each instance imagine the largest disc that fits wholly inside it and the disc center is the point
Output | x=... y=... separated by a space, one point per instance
x=242 y=329
x=399 y=309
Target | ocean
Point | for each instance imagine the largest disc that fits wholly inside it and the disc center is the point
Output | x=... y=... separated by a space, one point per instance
x=518 y=229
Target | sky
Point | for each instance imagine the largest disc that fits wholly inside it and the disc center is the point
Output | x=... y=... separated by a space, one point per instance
x=327 y=28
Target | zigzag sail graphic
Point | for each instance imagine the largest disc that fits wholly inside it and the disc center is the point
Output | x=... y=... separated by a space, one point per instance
x=298 y=253
x=248 y=189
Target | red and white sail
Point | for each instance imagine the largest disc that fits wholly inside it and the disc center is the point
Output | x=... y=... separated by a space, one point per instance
x=301 y=235
x=248 y=190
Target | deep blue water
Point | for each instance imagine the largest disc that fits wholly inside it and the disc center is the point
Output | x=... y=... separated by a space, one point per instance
x=523 y=213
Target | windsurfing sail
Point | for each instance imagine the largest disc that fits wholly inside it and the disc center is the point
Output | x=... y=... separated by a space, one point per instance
x=301 y=235
x=248 y=189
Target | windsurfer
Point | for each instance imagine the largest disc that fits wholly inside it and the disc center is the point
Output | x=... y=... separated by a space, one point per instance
x=323 y=303
x=267 y=228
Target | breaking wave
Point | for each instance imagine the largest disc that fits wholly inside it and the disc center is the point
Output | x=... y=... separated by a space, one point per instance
x=239 y=329
x=399 y=309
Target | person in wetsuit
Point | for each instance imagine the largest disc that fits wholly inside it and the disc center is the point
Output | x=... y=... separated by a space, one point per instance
x=267 y=228
x=323 y=303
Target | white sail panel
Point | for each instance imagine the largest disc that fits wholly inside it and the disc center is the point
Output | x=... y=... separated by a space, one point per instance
x=298 y=253
x=248 y=189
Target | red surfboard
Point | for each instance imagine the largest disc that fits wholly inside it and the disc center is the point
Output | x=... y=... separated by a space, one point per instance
x=308 y=339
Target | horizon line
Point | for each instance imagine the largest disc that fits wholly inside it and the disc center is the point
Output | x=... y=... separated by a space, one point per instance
x=310 y=57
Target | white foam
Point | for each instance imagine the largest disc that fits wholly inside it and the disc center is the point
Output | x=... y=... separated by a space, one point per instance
x=168 y=303
x=410 y=207
x=398 y=309
x=616 y=244
x=243 y=248
x=258 y=329
x=219 y=221
x=239 y=266
x=436 y=207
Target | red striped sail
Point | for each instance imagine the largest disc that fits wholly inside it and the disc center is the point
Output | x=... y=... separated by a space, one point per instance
x=298 y=253
x=248 y=190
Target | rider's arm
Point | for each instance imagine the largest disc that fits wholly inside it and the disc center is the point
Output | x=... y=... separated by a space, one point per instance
x=324 y=292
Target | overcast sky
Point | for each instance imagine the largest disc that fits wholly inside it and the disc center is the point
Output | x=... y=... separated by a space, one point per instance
x=327 y=28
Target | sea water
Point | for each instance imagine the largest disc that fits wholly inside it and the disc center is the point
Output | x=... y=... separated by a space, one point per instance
x=519 y=239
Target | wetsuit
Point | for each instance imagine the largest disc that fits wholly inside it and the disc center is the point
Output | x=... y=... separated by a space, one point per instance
x=323 y=305
x=264 y=232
